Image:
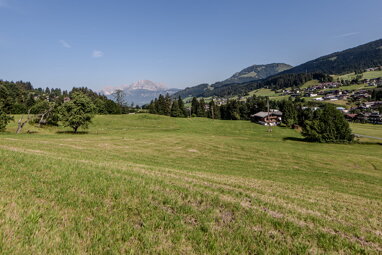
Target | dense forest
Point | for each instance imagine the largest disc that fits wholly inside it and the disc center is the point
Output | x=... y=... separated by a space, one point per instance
x=232 y=110
x=274 y=82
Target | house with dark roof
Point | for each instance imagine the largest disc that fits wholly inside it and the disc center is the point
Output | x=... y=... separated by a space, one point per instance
x=271 y=118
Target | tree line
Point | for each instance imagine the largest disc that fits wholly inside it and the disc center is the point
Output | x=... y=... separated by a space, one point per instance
x=318 y=122
x=20 y=97
x=74 y=113
x=278 y=81
x=43 y=107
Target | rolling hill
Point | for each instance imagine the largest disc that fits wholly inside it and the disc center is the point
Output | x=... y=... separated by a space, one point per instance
x=255 y=72
x=351 y=60
x=347 y=61
x=249 y=74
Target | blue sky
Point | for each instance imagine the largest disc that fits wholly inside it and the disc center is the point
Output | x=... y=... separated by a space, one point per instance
x=94 y=43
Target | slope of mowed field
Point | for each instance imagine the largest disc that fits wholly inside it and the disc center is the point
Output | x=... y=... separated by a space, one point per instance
x=367 y=129
x=154 y=184
x=365 y=75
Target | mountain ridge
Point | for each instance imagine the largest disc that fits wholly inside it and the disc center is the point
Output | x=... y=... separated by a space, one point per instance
x=354 y=59
x=256 y=72
x=140 y=92
x=248 y=74
x=346 y=61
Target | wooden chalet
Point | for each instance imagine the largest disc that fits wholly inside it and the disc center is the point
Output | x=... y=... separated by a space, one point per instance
x=271 y=118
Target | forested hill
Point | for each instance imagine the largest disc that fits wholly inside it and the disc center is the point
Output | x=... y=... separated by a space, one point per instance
x=351 y=60
x=249 y=74
x=254 y=72
x=347 y=61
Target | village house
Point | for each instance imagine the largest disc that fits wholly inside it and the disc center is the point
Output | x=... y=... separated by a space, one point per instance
x=310 y=95
x=271 y=118
x=375 y=118
x=342 y=109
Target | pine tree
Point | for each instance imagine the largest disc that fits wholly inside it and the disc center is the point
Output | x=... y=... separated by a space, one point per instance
x=167 y=105
x=213 y=111
x=161 y=105
x=202 y=108
x=151 y=107
x=181 y=107
x=175 y=111
x=194 y=106
x=156 y=106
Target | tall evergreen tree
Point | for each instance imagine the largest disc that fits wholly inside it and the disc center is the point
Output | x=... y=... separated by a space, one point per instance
x=152 y=109
x=167 y=105
x=194 y=106
x=175 y=111
x=181 y=107
x=202 y=108
x=213 y=111
x=161 y=105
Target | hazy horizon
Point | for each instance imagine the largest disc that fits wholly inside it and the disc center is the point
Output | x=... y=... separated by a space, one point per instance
x=176 y=43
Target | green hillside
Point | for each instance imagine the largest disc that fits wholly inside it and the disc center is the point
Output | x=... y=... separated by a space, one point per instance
x=146 y=184
x=355 y=59
x=255 y=72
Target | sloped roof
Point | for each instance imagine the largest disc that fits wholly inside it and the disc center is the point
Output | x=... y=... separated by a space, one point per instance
x=260 y=114
x=265 y=114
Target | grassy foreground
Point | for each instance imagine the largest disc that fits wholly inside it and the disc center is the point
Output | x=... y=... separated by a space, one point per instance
x=158 y=185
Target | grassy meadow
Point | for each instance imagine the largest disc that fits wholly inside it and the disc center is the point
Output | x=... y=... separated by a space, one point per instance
x=150 y=184
x=365 y=75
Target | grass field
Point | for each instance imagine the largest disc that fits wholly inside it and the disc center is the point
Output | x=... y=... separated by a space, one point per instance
x=366 y=129
x=157 y=185
x=365 y=75
x=310 y=84
x=263 y=92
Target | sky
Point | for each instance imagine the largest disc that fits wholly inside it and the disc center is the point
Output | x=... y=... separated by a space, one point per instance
x=180 y=43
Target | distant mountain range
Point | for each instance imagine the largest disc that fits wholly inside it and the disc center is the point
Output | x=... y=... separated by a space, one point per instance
x=355 y=59
x=251 y=73
x=257 y=76
x=140 y=92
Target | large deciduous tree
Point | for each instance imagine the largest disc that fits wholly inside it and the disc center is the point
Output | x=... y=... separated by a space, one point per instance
x=290 y=117
x=78 y=112
x=327 y=125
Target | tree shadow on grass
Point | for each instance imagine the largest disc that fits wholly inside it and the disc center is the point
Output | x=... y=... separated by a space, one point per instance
x=73 y=133
x=368 y=143
x=296 y=139
x=31 y=132
x=300 y=139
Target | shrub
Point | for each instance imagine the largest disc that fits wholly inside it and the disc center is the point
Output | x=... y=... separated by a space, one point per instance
x=4 y=119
